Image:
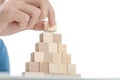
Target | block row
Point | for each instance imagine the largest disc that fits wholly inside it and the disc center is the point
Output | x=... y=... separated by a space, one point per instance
x=51 y=47
x=51 y=68
x=52 y=58
x=50 y=38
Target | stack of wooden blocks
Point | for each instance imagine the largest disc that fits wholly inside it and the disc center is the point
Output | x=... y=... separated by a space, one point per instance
x=50 y=56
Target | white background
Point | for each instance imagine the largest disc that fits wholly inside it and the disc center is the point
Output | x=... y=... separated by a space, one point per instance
x=89 y=28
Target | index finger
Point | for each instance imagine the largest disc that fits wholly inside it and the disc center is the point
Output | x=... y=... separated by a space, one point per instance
x=51 y=15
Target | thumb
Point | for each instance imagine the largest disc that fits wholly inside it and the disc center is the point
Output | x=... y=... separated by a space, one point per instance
x=39 y=26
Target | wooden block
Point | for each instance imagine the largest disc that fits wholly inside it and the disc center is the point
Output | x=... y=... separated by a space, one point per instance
x=62 y=68
x=57 y=58
x=52 y=47
x=46 y=37
x=53 y=68
x=33 y=74
x=62 y=48
x=48 y=28
x=66 y=58
x=44 y=67
x=48 y=58
x=41 y=57
x=57 y=38
x=37 y=57
x=41 y=47
x=71 y=69
x=32 y=67
x=46 y=47
x=57 y=68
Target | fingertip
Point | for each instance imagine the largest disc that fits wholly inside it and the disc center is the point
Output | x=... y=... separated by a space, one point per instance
x=52 y=22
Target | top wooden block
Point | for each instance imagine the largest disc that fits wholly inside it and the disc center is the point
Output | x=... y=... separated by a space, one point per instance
x=48 y=28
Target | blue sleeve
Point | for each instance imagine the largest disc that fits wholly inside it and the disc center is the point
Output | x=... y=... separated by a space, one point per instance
x=4 y=58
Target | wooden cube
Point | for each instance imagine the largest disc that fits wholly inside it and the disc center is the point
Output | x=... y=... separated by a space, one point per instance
x=53 y=68
x=48 y=28
x=41 y=47
x=41 y=57
x=57 y=38
x=57 y=68
x=44 y=67
x=62 y=48
x=52 y=47
x=46 y=37
x=71 y=69
x=37 y=56
x=57 y=58
x=62 y=68
x=32 y=67
x=66 y=58
x=46 y=47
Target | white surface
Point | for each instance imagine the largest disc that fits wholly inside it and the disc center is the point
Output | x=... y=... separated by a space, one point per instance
x=48 y=77
x=91 y=30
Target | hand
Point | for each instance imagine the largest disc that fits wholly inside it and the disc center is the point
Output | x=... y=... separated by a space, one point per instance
x=19 y=15
x=16 y=16
x=46 y=9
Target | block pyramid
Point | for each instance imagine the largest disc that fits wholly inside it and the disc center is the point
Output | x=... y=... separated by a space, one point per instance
x=50 y=56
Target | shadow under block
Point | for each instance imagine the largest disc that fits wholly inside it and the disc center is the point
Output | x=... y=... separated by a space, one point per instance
x=41 y=57
x=66 y=58
x=46 y=47
x=44 y=67
x=61 y=48
x=46 y=37
x=71 y=69
x=32 y=67
x=57 y=38
x=48 y=28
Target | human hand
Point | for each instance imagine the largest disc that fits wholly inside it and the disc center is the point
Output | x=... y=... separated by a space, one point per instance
x=31 y=15
x=46 y=10
x=16 y=16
